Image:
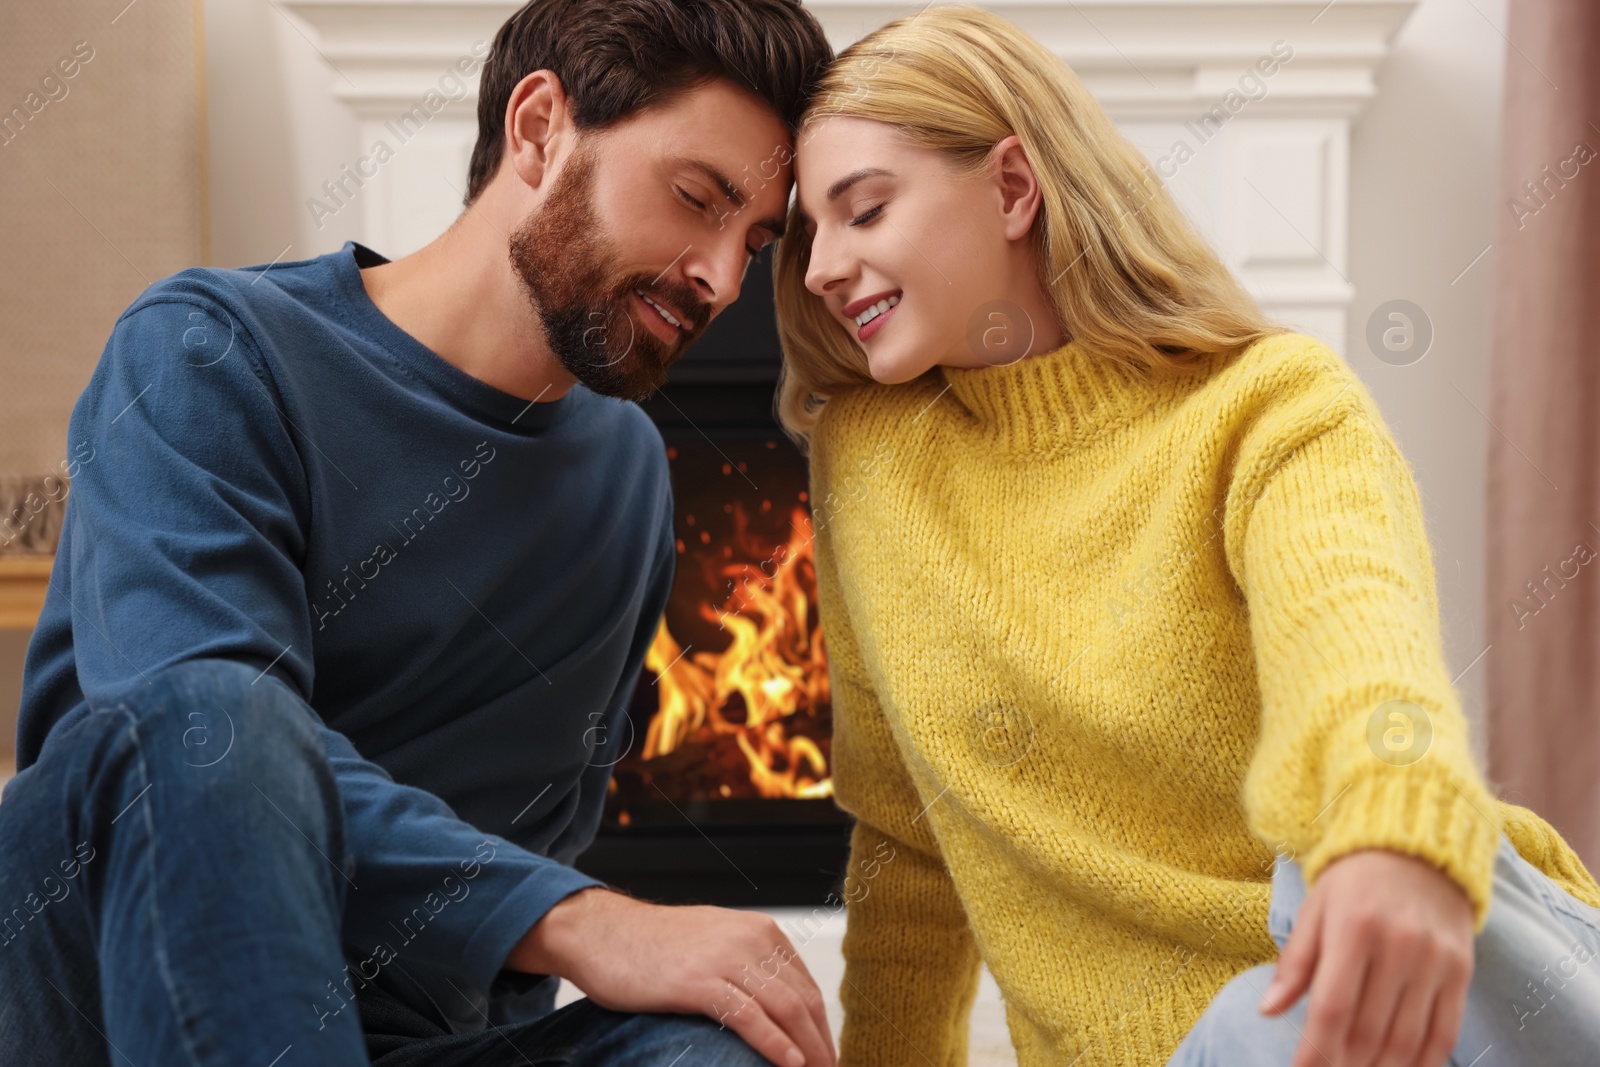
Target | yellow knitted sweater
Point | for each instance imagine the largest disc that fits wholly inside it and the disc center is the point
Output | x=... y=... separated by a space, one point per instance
x=1101 y=644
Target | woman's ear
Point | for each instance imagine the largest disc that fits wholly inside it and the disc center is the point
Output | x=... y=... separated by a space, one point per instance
x=536 y=123
x=1020 y=195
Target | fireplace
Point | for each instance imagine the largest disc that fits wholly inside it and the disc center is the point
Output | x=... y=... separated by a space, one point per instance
x=724 y=794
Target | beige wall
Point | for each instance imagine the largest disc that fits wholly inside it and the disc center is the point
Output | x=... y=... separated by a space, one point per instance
x=101 y=192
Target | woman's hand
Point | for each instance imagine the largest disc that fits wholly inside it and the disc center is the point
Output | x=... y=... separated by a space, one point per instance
x=1384 y=942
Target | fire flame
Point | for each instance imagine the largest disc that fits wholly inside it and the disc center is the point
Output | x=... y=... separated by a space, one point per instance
x=775 y=664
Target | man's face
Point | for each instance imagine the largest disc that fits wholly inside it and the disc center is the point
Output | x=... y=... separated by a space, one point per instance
x=656 y=216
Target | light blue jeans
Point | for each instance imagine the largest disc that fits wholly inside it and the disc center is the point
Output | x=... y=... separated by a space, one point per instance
x=1534 y=999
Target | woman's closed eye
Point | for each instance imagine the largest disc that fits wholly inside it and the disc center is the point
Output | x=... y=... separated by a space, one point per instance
x=867 y=216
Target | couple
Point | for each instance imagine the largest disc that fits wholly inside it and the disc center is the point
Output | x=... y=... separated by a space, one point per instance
x=1130 y=612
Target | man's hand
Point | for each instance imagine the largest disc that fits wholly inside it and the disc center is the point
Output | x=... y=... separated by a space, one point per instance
x=735 y=966
x=1384 y=941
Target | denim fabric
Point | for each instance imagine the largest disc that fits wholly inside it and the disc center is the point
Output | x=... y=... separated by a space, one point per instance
x=582 y=1034
x=1534 y=998
x=166 y=903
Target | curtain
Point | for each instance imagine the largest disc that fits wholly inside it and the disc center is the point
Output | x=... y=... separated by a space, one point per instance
x=1543 y=520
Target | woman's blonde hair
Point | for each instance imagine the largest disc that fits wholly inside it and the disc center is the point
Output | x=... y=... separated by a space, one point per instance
x=1126 y=273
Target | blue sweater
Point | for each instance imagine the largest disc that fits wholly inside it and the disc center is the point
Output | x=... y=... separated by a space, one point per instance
x=460 y=584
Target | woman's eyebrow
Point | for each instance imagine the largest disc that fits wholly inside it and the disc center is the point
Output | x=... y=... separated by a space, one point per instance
x=838 y=188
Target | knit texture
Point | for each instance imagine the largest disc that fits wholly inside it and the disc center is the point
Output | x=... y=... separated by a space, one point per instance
x=1102 y=643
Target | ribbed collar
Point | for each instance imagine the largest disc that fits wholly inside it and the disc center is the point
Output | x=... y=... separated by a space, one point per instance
x=1054 y=400
x=422 y=365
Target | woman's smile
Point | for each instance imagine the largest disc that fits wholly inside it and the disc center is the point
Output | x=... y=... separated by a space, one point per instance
x=872 y=313
x=876 y=323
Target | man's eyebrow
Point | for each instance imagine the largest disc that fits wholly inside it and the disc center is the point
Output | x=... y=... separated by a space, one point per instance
x=838 y=188
x=774 y=225
x=717 y=178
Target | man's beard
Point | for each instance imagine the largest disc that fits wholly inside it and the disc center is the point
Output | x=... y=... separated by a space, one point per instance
x=561 y=257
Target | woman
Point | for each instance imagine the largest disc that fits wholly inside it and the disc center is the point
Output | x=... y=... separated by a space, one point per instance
x=1125 y=590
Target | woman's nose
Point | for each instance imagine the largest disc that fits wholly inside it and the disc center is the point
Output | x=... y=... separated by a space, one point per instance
x=821 y=272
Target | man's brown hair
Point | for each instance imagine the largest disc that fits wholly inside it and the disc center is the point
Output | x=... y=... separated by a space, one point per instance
x=617 y=57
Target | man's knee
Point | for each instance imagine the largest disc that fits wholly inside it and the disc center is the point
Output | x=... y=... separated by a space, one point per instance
x=725 y=1047
x=649 y=1037
x=213 y=734
x=205 y=711
x=718 y=1045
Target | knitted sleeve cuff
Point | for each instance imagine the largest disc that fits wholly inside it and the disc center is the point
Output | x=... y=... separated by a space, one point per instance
x=1422 y=812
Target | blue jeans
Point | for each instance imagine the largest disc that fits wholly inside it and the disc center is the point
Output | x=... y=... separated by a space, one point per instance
x=1534 y=997
x=157 y=909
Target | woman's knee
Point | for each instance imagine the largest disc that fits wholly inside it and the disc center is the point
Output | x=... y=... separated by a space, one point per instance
x=1233 y=1032
x=1536 y=970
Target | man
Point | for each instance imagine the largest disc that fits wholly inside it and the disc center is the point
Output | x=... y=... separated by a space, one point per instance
x=359 y=569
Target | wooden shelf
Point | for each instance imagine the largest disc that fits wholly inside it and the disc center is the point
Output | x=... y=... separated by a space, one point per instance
x=23 y=582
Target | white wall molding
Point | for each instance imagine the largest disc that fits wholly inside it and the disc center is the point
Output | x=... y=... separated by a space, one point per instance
x=1266 y=178
x=1162 y=58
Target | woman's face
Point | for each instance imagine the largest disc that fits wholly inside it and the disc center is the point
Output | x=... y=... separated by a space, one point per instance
x=890 y=224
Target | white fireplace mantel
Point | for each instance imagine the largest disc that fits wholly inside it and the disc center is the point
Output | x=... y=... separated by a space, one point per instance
x=1266 y=180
